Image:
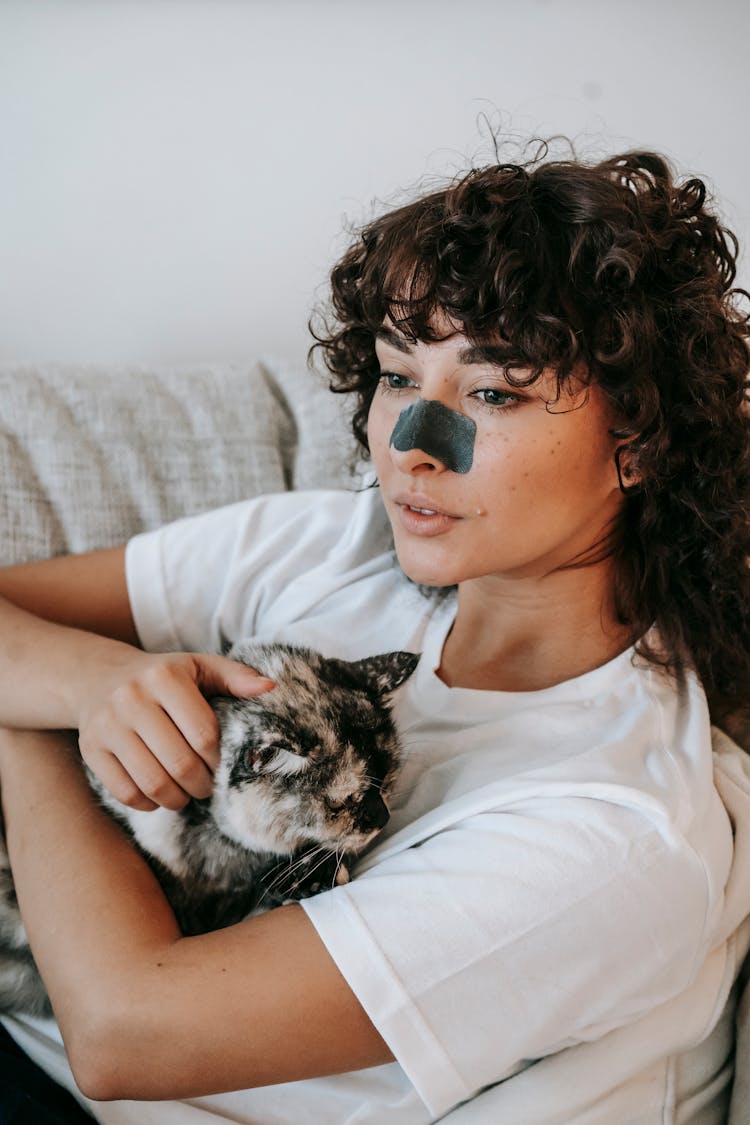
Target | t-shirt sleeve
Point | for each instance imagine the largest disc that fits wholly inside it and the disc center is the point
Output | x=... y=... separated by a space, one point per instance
x=513 y=935
x=204 y=581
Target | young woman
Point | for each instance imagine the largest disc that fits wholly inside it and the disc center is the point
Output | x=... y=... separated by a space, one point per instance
x=550 y=371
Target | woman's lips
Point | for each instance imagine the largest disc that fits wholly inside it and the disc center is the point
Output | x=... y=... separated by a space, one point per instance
x=419 y=517
x=419 y=502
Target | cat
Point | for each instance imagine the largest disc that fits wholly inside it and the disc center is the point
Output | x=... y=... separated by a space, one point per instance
x=301 y=789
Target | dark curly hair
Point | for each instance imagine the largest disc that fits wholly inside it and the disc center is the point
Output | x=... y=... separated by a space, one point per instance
x=618 y=269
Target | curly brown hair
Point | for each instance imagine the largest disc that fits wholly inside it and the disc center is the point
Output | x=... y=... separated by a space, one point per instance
x=617 y=268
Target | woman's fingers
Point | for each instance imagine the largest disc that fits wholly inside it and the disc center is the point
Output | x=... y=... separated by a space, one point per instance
x=117 y=781
x=147 y=758
x=171 y=715
x=218 y=675
x=180 y=758
x=154 y=741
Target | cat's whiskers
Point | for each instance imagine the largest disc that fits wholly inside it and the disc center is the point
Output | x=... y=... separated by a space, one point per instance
x=304 y=860
x=393 y=791
x=292 y=864
x=268 y=889
x=328 y=852
x=284 y=871
x=340 y=853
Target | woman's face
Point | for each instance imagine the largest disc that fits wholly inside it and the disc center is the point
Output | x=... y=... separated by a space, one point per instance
x=542 y=489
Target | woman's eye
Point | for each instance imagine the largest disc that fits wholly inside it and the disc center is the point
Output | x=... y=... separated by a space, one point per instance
x=395 y=382
x=493 y=396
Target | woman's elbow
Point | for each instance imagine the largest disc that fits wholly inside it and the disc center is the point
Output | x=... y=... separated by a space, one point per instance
x=106 y=1053
x=98 y=1079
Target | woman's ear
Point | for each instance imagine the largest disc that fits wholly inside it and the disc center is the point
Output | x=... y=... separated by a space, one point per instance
x=628 y=474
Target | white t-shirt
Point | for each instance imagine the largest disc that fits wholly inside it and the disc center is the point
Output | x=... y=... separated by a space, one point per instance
x=545 y=912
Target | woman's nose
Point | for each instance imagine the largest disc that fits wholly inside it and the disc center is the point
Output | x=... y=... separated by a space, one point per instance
x=433 y=437
x=416 y=461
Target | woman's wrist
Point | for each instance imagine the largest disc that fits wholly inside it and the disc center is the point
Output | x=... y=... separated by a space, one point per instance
x=48 y=671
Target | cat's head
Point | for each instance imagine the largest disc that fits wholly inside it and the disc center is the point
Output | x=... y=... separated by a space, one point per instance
x=313 y=760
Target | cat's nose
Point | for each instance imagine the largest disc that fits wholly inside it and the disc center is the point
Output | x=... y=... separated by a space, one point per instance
x=373 y=809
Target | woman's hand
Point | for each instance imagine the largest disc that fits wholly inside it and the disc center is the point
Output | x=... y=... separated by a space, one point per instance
x=70 y=659
x=148 y=731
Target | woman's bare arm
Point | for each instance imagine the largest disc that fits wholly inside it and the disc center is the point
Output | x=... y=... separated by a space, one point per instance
x=144 y=1012
x=60 y=620
x=86 y=591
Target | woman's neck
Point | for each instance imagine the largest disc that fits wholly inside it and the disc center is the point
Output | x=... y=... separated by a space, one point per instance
x=525 y=635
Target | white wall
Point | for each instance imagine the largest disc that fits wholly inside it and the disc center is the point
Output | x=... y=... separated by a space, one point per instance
x=175 y=175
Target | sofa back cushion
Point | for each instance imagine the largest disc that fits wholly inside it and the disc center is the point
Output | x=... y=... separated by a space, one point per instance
x=91 y=455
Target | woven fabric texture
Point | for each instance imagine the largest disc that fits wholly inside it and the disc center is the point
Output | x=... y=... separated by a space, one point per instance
x=89 y=455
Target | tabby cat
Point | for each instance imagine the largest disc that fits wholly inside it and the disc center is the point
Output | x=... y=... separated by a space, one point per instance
x=305 y=773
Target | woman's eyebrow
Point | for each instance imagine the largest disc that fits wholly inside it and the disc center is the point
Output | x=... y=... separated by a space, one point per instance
x=473 y=354
x=491 y=354
x=394 y=339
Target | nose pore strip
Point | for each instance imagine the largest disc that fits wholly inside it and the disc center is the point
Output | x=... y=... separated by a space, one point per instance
x=438 y=431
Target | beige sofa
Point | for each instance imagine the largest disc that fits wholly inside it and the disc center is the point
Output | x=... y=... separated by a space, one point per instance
x=89 y=456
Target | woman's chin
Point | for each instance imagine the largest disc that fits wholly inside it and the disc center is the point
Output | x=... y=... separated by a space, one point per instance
x=424 y=575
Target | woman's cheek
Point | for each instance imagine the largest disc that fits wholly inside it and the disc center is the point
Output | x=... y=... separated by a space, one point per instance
x=380 y=425
x=375 y=427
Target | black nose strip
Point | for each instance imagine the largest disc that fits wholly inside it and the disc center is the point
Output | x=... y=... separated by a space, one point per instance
x=437 y=431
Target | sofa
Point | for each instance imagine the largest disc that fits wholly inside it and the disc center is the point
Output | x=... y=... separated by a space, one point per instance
x=91 y=455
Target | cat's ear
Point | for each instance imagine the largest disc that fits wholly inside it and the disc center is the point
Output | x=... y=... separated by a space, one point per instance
x=384 y=672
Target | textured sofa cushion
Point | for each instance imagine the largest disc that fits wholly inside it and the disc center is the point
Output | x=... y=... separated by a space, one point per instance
x=91 y=455
x=323 y=451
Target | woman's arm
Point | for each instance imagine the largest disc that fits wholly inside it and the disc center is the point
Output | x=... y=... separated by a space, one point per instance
x=87 y=591
x=144 y=1012
x=49 y=612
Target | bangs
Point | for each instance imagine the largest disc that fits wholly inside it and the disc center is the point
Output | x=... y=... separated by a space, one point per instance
x=443 y=269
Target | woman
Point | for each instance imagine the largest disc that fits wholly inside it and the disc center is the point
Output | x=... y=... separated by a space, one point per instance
x=550 y=375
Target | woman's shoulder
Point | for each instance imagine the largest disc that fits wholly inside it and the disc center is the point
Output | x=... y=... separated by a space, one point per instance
x=318 y=507
x=341 y=528
x=645 y=742
x=311 y=523
x=228 y=572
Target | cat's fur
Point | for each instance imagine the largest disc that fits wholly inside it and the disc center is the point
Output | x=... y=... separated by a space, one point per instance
x=302 y=785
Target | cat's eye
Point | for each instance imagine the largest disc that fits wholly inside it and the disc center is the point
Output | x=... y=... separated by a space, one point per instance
x=336 y=806
x=277 y=758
